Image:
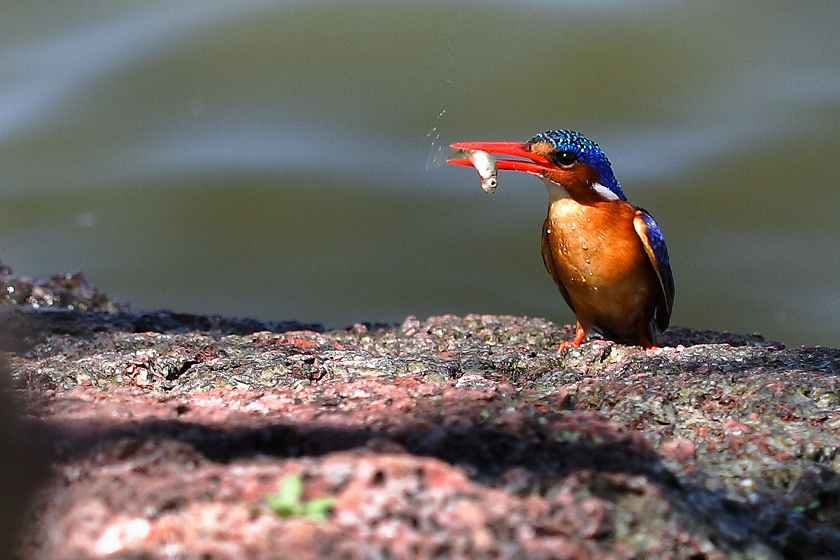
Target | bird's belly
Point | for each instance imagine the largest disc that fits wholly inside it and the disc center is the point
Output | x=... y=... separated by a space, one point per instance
x=604 y=268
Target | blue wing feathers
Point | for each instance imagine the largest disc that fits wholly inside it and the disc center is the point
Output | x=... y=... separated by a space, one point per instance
x=656 y=241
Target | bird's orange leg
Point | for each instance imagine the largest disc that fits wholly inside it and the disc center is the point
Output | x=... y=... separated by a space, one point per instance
x=645 y=343
x=580 y=334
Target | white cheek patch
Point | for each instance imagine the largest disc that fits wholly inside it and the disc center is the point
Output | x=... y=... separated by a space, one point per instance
x=604 y=191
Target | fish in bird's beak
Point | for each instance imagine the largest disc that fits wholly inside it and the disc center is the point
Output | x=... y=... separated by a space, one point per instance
x=485 y=164
x=529 y=162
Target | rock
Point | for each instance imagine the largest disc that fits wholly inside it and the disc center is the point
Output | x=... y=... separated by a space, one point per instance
x=451 y=437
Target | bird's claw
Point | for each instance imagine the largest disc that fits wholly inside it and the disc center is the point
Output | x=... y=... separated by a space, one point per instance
x=580 y=334
x=565 y=346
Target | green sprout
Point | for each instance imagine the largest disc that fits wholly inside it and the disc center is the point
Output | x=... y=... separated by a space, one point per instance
x=286 y=502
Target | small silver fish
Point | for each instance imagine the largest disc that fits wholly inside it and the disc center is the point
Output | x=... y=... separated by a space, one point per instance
x=485 y=164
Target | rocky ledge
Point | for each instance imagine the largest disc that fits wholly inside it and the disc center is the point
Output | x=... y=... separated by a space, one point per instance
x=163 y=435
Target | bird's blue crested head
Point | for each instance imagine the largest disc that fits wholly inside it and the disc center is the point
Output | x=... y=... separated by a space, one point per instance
x=586 y=151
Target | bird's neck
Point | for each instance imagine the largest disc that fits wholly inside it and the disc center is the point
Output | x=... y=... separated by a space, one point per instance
x=556 y=191
x=582 y=194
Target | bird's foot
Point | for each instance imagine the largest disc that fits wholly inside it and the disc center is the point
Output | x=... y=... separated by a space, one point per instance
x=580 y=334
x=565 y=346
x=645 y=343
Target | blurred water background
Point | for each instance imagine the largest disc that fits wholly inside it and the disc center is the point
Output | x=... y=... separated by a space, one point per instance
x=283 y=159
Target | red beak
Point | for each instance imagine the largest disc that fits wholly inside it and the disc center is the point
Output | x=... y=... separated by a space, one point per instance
x=535 y=164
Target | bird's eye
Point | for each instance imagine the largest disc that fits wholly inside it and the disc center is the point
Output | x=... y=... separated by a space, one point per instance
x=564 y=159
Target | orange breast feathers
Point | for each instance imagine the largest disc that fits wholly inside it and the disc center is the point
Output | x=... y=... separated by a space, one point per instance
x=600 y=265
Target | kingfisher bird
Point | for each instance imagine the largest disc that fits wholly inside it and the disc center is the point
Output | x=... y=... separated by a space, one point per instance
x=607 y=256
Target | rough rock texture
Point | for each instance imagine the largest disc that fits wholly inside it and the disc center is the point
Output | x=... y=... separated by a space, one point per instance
x=453 y=437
